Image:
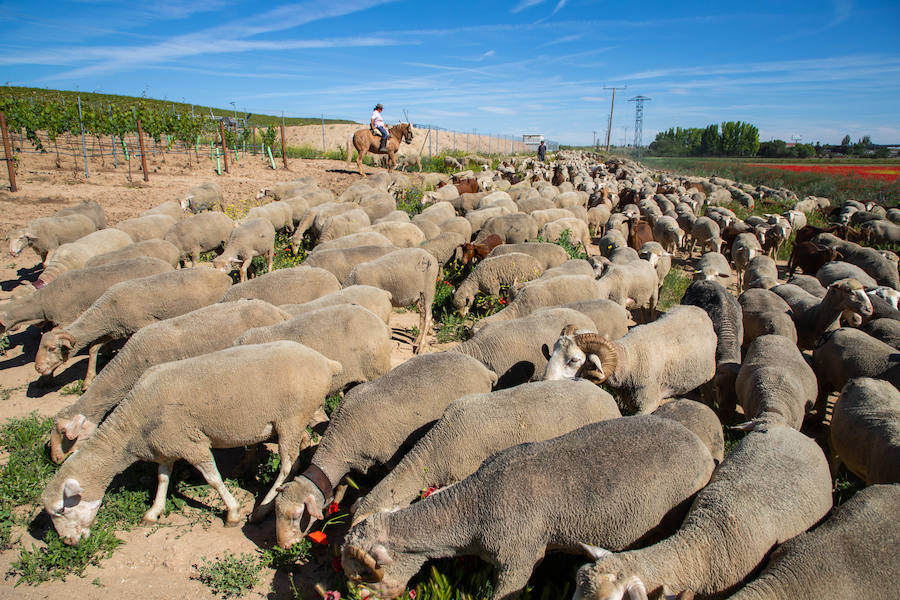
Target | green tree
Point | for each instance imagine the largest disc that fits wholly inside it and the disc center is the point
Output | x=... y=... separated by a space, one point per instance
x=846 y=141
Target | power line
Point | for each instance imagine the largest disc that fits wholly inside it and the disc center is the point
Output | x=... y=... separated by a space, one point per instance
x=611 y=107
x=638 y=122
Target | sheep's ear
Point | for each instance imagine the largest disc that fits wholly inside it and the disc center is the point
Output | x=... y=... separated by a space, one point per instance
x=381 y=555
x=595 y=552
x=66 y=342
x=745 y=426
x=314 y=511
x=545 y=351
x=635 y=590
x=73 y=427
x=71 y=492
x=29 y=235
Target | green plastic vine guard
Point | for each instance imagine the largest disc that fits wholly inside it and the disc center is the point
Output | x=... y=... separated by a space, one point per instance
x=271 y=160
x=125 y=150
x=218 y=162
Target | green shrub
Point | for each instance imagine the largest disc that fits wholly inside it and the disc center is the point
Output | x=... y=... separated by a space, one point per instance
x=76 y=388
x=231 y=575
x=410 y=201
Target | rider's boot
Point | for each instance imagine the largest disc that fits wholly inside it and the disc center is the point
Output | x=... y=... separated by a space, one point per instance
x=383 y=146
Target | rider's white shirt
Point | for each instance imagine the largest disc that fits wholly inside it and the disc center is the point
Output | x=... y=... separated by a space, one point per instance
x=377 y=119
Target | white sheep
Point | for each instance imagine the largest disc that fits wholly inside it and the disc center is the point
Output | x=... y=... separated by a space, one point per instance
x=203 y=197
x=180 y=411
x=252 y=238
x=74 y=255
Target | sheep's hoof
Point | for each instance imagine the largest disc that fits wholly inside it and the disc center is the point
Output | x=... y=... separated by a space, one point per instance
x=146 y=520
x=232 y=521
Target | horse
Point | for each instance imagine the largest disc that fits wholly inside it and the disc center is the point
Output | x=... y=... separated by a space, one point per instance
x=365 y=141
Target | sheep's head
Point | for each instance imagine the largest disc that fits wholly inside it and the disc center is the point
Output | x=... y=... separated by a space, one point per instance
x=296 y=499
x=262 y=193
x=186 y=202
x=586 y=355
x=606 y=579
x=68 y=434
x=19 y=239
x=889 y=295
x=227 y=264
x=852 y=296
x=367 y=559
x=72 y=515
x=53 y=350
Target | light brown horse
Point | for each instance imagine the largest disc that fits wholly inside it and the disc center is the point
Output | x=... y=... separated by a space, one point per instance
x=365 y=141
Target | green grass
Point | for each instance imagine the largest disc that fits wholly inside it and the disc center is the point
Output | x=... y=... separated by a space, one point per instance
x=4 y=344
x=673 y=288
x=76 y=388
x=230 y=576
x=331 y=404
x=845 y=485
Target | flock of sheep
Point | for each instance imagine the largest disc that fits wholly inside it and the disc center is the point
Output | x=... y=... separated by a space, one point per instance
x=527 y=452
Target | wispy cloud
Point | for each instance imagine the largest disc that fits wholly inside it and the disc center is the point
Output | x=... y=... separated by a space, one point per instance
x=563 y=40
x=497 y=110
x=842 y=11
x=525 y=4
x=559 y=6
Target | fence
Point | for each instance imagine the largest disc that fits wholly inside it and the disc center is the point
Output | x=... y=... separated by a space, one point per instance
x=438 y=140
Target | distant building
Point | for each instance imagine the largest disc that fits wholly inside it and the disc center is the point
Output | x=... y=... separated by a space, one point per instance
x=532 y=141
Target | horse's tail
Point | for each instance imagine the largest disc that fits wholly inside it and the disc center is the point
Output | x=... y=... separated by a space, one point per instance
x=349 y=138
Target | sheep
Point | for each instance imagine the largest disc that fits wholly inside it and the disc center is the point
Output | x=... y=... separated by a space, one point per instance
x=225 y=399
x=851 y=555
x=74 y=255
x=46 y=234
x=775 y=384
x=255 y=237
x=294 y=285
x=352 y=335
x=444 y=247
x=206 y=196
x=546 y=292
x=764 y=312
x=149 y=227
x=865 y=430
x=409 y=161
x=667 y=232
x=868 y=259
x=395 y=215
x=598 y=217
x=700 y=419
x=201 y=331
x=668 y=357
x=492 y=273
x=496 y=514
x=63 y=299
x=515 y=228
x=771 y=487
x=761 y=272
x=889 y=295
x=155 y=248
x=577 y=229
x=712 y=265
x=170 y=209
x=365 y=238
x=810 y=284
x=457 y=225
x=727 y=318
x=705 y=232
x=279 y=214
x=438 y=212
x=517 y=350
x=429 y=228
x=476 y=426
x=477 y=218
x=89 y=208
x=813 y=317
x=633 y=285
x=409 y=274
x=376 y=300
x=810 y=257
x=886 y=330
x=573 y=266
x=377 y=205
x=401 y=235
x=399 y=406
x=837 y=270
x=611 y=241
x=314 y=219
x=126 y=307
x=744 y=249
x=288 y=189
x=659 y=259
x=844 y=354
x=339 y=262
x=200 y=233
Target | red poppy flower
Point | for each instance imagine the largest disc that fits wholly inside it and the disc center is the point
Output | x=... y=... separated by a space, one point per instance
x=333 y=508
x=318 y=537
x=332 y=595
x=412 y=594
x=336 y=564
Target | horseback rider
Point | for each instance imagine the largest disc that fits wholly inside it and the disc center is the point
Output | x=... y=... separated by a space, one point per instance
x=377 y=122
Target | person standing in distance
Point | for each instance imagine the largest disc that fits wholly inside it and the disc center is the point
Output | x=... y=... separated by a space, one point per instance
x=542 y=151
x=377 y=122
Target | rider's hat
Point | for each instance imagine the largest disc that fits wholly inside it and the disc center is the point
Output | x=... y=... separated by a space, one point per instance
x=379 y=106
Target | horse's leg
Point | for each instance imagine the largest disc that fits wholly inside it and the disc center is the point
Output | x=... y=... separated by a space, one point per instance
x=359 y=157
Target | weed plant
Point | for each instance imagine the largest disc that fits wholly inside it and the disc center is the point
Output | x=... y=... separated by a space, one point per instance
x=673 y=288
x=231 y=575
x=410 y=201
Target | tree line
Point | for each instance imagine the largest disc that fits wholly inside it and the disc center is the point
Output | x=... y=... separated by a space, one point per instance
x=735 y=138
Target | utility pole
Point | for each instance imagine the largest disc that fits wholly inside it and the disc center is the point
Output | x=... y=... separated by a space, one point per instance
x=638 y=122
x=595 y=140
x=611 y=107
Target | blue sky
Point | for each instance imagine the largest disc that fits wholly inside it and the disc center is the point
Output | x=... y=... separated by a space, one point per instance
x=815 y=69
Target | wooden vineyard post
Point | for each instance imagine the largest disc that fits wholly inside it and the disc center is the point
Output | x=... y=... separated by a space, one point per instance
x=224 y=147
x=143 y=153
x=283 y=153
x=10 y=168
